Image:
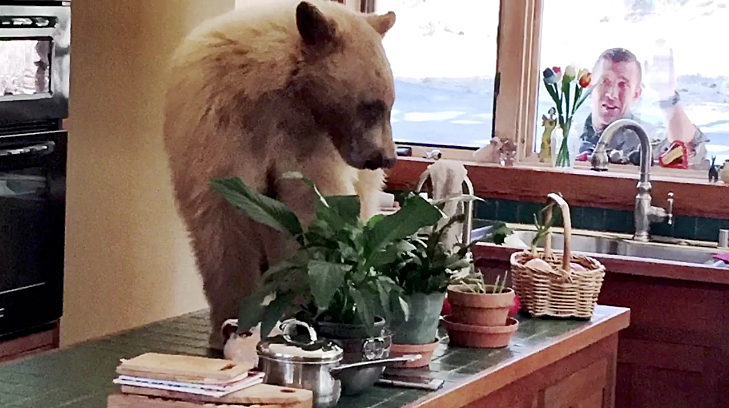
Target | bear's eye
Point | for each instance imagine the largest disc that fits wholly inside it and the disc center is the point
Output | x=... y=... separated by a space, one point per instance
x=372 y=112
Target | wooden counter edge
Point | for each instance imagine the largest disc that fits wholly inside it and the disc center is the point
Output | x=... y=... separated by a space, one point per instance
x=489 y=381
x=627 y=265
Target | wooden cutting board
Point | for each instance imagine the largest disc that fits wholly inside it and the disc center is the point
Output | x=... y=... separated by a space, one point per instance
x=257 y=394
x=175 y=367
x=139 y=401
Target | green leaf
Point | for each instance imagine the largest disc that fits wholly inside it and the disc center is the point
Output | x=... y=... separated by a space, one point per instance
x=364 y=310
x=415 y=214
x=278 y=271
x=325 y=278
x=375 y=219
x=346 y=207
x=275 y=312
x=384 y=294
x=391 y=254
x=251 y=310
x=259 y=207
x=398 y=307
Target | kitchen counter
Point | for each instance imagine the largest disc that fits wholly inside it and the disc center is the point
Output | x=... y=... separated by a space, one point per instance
x=676 y=350
x=549 y=363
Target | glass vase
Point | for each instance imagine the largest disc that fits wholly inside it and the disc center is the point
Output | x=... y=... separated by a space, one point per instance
x=572 y=145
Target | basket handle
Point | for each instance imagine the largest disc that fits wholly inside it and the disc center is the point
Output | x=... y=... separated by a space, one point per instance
x=567 y=255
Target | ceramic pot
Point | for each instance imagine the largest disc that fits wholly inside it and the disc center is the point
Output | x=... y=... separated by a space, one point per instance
x=724 y=172
x=479 y=309
x=424 y=350
x=331 y=330
x=358 y=347
x=467 y=335
x=421 y=326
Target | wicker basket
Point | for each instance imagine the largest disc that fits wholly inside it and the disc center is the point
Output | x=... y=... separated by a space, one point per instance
x=560 y=292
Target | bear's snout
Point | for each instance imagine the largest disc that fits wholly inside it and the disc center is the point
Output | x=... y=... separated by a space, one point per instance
x=379 y=161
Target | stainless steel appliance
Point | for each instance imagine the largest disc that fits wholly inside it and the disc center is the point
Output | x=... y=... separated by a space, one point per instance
x=34 y=99
x=32 y=224
x=35 y=45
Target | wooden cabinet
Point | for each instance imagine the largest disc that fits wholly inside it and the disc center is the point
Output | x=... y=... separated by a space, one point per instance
x=26 y=344
x=585 y=379
x=675 y=354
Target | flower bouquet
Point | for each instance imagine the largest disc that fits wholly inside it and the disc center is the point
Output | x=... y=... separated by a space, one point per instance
x=568 y=91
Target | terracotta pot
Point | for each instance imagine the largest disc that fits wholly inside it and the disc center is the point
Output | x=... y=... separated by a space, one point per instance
x=480 y=309
x=426 y=350
x=480 y=336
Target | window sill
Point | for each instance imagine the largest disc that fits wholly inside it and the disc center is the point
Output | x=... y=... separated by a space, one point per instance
x=580 y=187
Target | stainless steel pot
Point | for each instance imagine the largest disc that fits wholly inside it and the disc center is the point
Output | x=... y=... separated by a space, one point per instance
x=310 y=363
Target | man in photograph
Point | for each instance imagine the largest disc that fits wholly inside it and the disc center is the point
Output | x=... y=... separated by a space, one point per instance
x=618 y=80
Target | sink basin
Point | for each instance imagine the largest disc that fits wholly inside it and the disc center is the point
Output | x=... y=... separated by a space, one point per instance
x=615 y=245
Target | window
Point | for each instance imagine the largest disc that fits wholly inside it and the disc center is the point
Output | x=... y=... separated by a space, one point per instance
x=660 y=34
x=443 y=56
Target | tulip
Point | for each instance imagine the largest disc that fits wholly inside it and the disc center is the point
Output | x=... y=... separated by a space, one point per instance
x=585 y=80
x=582 y=72
x=557 y=72
x=570 y=73
x=549 y=76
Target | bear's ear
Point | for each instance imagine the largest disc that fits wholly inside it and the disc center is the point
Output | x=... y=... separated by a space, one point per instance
x=314 y=27
x=382 y=23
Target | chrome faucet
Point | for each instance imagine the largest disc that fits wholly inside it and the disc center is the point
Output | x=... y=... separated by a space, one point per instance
x=645 y=213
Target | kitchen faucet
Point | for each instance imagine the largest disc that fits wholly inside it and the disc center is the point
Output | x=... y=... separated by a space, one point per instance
x=645 y=213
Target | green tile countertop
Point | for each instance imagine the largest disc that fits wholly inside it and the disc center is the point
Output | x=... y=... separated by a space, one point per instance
x=81 y=376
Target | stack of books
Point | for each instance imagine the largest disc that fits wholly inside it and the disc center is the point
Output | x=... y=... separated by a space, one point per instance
x=177 y=381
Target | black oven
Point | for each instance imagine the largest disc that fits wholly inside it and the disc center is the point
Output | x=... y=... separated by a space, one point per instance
x=35 y=39
x=32 y=224
x=34 y=87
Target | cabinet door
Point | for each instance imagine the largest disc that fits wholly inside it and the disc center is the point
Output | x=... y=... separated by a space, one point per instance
x=586 y=388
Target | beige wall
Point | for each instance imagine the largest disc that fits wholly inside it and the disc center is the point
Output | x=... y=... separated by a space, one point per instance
x=127 y=257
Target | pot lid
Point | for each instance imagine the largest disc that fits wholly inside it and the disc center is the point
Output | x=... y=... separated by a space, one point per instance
x=293 y=346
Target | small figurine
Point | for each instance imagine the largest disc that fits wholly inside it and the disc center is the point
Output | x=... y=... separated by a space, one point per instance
x=491 y=153
x=434 y=154
x=508 y=153
x=713 y=172
x=724 y=172
x=549 y=123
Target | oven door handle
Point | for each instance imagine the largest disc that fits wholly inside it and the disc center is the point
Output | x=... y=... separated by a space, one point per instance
x=23 y=33
x=40 y=149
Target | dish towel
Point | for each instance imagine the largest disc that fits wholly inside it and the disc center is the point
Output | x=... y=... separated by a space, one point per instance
x=447 y=178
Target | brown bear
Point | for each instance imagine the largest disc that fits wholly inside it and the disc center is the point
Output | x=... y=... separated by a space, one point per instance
x=273 y=87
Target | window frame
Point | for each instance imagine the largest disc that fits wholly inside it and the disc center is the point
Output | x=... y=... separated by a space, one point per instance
x=518 y=78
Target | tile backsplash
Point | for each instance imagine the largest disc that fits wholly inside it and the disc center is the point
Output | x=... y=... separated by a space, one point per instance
x=699 y=228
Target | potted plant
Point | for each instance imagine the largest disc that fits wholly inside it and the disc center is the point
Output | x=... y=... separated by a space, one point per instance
x=474 y=302
x=424 y=273
x=333 y=280
x=480 y=313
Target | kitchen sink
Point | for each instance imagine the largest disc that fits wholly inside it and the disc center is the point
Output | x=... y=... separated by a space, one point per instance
x=614 y=244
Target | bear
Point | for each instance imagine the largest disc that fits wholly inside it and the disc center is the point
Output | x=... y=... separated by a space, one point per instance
x=272 y=87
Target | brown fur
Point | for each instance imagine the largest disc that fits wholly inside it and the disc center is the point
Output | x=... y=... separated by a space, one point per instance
x=253 y=96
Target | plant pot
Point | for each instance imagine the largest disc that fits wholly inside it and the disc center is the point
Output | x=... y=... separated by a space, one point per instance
x=425 y=350
x=358 y=346
x=332 y=330
x=467 y=335
x=479 y=309
x=422 y=324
